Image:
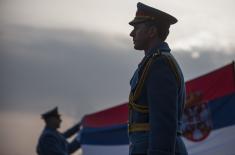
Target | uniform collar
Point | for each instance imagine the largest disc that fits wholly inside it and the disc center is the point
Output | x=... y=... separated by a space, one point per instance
x=50 y=129
x=163 y=47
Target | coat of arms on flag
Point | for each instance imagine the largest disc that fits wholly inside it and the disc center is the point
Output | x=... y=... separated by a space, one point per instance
x=196 y=118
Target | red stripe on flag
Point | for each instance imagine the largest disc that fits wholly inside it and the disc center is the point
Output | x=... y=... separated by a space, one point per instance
x=215 y=84
x=108 y=117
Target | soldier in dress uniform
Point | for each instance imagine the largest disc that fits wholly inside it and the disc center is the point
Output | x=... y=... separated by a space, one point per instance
x=51 y=141
x=157 y=94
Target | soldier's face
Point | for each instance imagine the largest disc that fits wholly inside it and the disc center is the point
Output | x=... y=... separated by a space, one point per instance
x=55 y=121
x=58 y=121
x=140 y=36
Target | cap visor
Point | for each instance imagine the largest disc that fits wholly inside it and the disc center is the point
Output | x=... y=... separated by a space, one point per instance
x=136 y=21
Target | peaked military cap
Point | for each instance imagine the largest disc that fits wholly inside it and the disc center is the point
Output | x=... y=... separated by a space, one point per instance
x=51 y=113
x=146 y=13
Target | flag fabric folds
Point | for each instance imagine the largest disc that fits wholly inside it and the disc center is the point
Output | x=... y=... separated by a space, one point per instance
x=208 y=120
x=105 y=132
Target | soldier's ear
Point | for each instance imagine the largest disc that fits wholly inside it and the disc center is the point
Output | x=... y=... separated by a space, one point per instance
x=153 y=31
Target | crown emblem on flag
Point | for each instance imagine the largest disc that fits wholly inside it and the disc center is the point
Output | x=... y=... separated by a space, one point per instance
x=197 y=122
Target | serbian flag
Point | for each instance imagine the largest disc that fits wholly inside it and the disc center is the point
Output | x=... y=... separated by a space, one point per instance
x=105 y=132
x=208 y=119
x=209 y=116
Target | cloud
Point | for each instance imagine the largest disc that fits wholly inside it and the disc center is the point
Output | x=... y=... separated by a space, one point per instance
x=79 y=71
x=208 y=61
x=205 y=41
x=68 y=68
x=82 y=71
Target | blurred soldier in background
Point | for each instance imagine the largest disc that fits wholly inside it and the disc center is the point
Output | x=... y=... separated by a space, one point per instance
x=51 y=141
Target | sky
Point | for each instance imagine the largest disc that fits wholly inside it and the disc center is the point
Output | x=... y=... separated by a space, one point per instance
x=78 y=55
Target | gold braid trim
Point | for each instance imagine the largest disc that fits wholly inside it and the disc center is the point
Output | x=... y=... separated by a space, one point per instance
x=138 y=107
x=145 y=17
x=138 y=127
x=143 y=77
x=136 y=95
x=172 y=64
x=135 y=127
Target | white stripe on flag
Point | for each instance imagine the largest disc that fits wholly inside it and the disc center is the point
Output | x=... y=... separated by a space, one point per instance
x=219 y=142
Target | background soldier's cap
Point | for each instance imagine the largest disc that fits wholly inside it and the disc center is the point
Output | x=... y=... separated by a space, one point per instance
x=51 y=113
x=146 y=13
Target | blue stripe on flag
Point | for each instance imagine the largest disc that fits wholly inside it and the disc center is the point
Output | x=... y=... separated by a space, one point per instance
x=222 y=115
x=223 y=111
x=114 y=135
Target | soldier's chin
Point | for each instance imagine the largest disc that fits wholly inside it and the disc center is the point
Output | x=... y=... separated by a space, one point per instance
x=137 y=47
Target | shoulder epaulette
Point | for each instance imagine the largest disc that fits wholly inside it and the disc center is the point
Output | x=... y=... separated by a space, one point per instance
x=173 y=66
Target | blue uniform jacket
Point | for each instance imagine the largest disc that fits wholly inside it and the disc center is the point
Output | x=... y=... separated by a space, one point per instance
x=164 y=95
x=52 y=142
